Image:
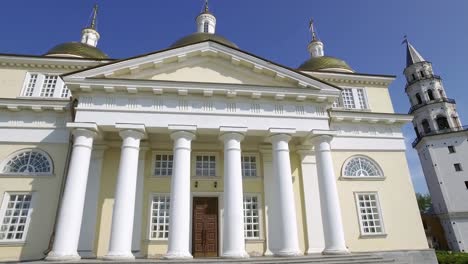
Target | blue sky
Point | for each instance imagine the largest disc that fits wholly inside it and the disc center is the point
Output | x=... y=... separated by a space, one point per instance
x=365 y=33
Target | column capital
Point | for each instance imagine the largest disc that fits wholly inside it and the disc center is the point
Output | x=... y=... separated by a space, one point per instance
x=89 y=130
x=84 y=132
x=232 y=135
x=279 y=137
x=182 y=134
x=188 y=128
x=136 y=131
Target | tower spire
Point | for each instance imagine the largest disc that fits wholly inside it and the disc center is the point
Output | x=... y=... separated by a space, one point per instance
x=412 y=55
x=312 y=30
x=206 y=9
x=89 y=35
x=94 y=19
x=315 y=46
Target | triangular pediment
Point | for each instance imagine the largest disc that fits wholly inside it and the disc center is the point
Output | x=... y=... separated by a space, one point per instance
x=205 y=62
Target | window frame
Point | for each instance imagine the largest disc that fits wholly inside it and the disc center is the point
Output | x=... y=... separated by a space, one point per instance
x=153 y=161
x=17 y=152
x=451 y=149
x=150 y=216
x=194 y=165
x=257 y=165
x=382 y=233
x=5 y=200
x=261 y=235
x=356 y=99
x=368 y=178
x=37 y=89
x=458 y=167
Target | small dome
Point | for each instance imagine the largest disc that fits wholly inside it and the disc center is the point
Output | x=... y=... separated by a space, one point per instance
x=200 y=37
x=77 y=49
x=325 y=63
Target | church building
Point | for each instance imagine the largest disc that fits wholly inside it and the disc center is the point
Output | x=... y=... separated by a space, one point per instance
x=201 y=150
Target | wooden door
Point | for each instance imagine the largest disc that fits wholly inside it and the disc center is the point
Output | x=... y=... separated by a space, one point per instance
x=205 y=227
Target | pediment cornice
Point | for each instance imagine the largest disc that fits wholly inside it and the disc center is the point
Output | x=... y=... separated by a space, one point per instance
x=235 y=57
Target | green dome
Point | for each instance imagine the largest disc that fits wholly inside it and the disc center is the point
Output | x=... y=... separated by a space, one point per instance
x=200 y=37
x=325 y=63
x=77 y=49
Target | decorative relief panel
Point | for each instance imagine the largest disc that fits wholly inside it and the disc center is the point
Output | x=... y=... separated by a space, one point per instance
x=203 y=105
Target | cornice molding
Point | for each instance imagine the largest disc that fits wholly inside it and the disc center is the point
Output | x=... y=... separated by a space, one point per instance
x=369 y=117
x=48 y=63
x=36 y=105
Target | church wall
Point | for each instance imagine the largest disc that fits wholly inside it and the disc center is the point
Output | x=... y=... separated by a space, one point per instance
x=11 y=82
x=45 y=189
x=379 y=100
x=401 y=220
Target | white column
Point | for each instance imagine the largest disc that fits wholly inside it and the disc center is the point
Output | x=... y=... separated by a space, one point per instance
x=329 y=200
x=311 y=191
x=67 y=232
x=88 y=225
x=124 y=205
x=233 y=227
x=179 y=223
x=270 y=224
x=136 y=241
x=286 y=207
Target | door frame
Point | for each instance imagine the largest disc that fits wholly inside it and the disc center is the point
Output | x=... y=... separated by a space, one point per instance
x=220 y=196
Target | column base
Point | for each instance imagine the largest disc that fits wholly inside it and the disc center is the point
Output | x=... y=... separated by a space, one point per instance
x=311 y=251
x=288 y=253
x=178 y=255
x=86 y=254
x=335 y=251
x=235 y=255
x=119 y=256
x=268 y=253
x=53 y=256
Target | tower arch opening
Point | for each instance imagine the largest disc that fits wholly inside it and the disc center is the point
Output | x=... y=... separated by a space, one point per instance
x=442 y=122
x=426 y=126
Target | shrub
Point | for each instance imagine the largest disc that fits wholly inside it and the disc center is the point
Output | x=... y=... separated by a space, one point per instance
x=447 y=257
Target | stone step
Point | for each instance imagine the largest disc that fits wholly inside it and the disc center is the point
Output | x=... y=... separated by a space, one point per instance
x=312 y=259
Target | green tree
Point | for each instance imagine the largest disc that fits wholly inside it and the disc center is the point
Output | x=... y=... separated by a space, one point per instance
x=424 y=202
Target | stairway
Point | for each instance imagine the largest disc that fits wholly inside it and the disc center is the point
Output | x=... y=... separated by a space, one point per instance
x=313 y=259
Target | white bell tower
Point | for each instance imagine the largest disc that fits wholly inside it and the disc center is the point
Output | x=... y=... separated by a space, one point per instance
x=442 y=145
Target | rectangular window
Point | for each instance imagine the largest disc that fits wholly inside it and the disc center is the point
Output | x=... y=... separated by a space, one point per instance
x=163 y=164
x=49 y=85
x=361 y=98
x=249 y=166
x=205 y=165
x=251 y=217
x=159 y=226
x=370 y=218
x=348 y=99
x=15 y=216
x=31 y=85
x=65 y=92
x=466 y=184
x=458 y=167
x=45 y=85
x=451 y=149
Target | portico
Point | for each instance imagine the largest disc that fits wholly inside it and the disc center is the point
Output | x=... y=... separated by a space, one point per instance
x=281 y=217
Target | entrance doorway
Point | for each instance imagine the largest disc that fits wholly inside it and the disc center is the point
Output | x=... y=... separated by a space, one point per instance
x=205 y=227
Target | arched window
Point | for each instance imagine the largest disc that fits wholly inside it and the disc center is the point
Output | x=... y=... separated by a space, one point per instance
x=430 y=94
x=442 y=122
x=205 y=27
x=360 y=166
x=28 y=162
x=418 y=98
x=426 y=127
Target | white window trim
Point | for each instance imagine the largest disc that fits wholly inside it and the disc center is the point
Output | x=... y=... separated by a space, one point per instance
x=150 y=215
x=6 y=198
x=153 y=162
x=258 y=163
x=260 y=217
x=38 y=87
x=9 y=157
x=357 y=178
x=361 y=227
x=355 y=94
x=194 y=163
